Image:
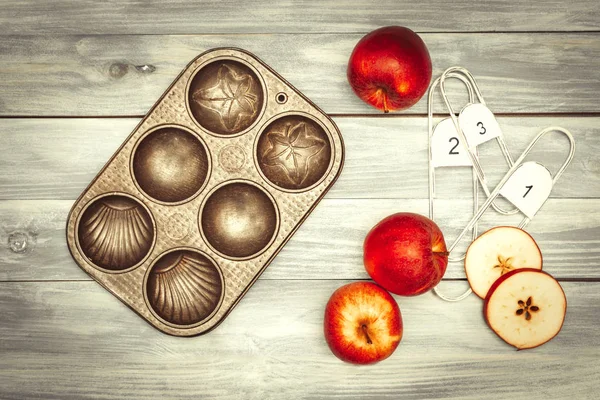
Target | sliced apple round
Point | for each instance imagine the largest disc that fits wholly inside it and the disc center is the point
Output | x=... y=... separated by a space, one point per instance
x=495 y=253
x=525 y=307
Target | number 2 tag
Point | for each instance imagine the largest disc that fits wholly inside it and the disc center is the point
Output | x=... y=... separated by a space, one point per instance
x=446 y=147
x=528 y=188
x=478 y=124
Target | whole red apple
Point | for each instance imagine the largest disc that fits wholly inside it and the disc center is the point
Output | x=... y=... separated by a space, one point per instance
x=390 y=68
x=406 y=254
x=363 y=323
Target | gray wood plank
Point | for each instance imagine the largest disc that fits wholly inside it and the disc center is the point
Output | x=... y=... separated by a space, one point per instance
x=178 y=16
x=97 y=75
x=328 y=245
x=73 y=340
x=385 y=157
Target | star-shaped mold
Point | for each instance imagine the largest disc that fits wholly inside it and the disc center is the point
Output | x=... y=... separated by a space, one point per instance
x=294 y=152
x=225 y=97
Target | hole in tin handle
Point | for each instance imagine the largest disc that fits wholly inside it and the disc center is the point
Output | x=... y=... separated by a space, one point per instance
x=281 y=98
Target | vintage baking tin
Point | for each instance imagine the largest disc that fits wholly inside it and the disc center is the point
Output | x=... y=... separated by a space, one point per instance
x=205 y=192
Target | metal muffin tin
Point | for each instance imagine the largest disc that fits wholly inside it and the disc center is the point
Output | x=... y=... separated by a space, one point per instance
x=205 y=192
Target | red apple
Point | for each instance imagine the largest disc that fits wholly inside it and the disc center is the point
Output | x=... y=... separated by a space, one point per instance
x=363 y=323
x=406 y=254
x=390 y=68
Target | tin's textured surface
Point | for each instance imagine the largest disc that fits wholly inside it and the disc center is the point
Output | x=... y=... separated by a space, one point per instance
x=205 y=192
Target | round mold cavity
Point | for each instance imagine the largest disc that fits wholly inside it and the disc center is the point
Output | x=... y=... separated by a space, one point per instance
x=184 y=287
x=170 y=165
x=239 y=220
x=115 y=233
x=294 y=152
x=225 y=97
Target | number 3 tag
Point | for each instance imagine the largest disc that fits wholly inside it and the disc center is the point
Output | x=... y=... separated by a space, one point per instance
x=446 y=147
x=528 y=188
x=478 y=124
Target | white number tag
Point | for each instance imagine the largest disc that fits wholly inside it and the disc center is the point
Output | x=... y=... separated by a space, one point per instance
x=528 y=188
x=478 y=124
x=446 y=147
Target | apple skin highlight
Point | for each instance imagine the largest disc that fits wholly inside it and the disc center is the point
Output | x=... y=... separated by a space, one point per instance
x=406 y=254
x=362 y=323
x=390 y=68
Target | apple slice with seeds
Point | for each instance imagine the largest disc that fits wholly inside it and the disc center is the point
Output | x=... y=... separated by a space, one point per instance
x=525 y=307
x=497 y=252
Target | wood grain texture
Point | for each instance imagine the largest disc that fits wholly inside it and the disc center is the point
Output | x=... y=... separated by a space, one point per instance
x=73 y=340
x=65 y=337
x=103 y=75
x=260 y=16
x=385 y=157
x=329 y=244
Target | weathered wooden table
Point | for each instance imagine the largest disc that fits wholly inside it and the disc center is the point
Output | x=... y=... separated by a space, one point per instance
x=77 y=76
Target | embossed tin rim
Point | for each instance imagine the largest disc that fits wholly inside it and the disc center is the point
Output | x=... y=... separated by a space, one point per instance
x=331 y=146
x=220 y=156
x=277 y=219
x=235 y=58
x=85 y=257
x=170 y=324
x=148 y=133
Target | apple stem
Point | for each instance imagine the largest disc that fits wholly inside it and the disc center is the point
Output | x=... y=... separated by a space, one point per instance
x=385 y=106
x=441 y=253
x=364 y=328
x=383 y=94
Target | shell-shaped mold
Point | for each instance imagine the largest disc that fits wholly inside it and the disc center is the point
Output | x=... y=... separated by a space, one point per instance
x=225 y=97
x=184 y=287
x=239 y=220
x=293 y=152
x=115 y=232
x=170 y=165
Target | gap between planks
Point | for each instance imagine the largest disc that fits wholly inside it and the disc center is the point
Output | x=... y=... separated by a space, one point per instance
x=576 y=280
x=332 y=115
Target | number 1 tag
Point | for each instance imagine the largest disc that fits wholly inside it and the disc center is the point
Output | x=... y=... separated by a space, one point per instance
x=528 y=188
x=446 y=147
x=478 y=124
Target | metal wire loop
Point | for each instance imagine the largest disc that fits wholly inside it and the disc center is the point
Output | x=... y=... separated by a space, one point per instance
x=472 y=154
x=432 y=189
